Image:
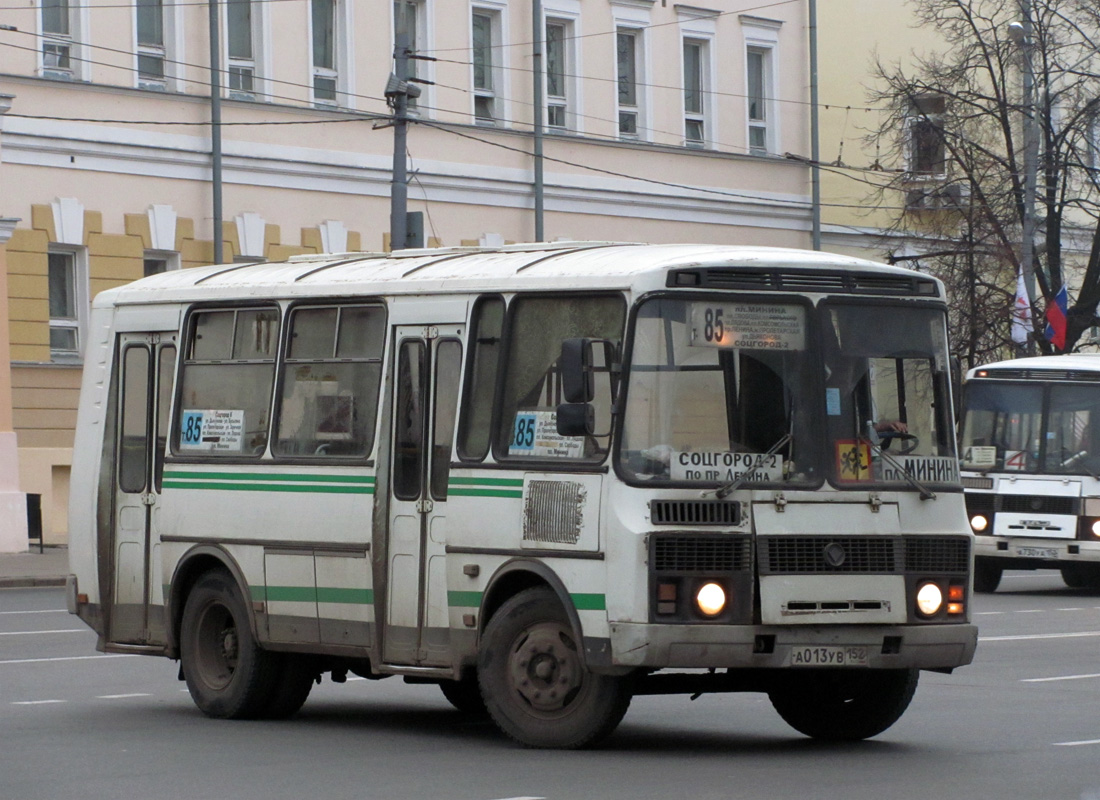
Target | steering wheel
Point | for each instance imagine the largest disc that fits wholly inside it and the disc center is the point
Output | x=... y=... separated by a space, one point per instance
x=910 y=442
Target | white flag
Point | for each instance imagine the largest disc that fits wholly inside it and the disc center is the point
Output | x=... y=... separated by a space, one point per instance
x=1021 y=312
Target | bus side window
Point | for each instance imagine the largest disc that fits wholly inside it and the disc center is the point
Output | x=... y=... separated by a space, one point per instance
x=484 y=365
x=228 y=375
x=539 y=324
x=332 y=372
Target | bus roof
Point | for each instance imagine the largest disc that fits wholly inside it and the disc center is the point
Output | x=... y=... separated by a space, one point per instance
x=529 y=267
x=1056 y=366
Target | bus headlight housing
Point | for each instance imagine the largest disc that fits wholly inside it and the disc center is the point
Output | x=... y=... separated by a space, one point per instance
x=979 y=522
x=929 y=599
x=710 y=599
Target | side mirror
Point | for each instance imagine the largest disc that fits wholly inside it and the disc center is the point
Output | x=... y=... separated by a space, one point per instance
x=576 y=419
x=576 y=371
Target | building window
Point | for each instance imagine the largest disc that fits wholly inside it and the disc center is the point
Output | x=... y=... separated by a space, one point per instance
x=558 y=72
x=241 y=35
x=628 y=47
x=152 y=54
x=158 y=261
x=927 y=153
x=325 y=73
x=759 y=79
x=58 y=26
x=414 y=22
x=484 y=39
x=695 y=128
x=68 y=295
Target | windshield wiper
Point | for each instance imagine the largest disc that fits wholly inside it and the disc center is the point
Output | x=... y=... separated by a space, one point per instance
x=875 y=443
x=724 y=491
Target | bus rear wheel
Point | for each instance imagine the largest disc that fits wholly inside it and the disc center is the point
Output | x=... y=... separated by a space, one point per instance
x=843 y=705
x=534 y=682
x=227 y=674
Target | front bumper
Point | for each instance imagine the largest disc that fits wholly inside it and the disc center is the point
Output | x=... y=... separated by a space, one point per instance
x=770 y=647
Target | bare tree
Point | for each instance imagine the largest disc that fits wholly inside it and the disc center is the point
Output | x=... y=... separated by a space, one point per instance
x=958 y=120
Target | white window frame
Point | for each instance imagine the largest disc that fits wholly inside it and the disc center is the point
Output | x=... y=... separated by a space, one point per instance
x=170 y=258
x=699 y=27
x=639 y=106
x=80 y=298
x=67 y=43
x=421 y=41
x=920 y=117
x=341 y=71
x=762 y=37
x=165 y=52
x=568 y=16
x=495 y=94
x=257 y=64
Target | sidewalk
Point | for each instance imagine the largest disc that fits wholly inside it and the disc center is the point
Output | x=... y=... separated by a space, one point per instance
x=34 y=569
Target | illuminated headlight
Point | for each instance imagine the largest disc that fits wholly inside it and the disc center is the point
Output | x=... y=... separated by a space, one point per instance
x=710 y=599
x=979 y=523
x=929 y=599
x=1096 y=528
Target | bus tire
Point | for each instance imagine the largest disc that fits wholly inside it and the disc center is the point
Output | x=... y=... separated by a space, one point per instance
x=534 y=682
x=843 y=705
x=987 y=575
x=227 y=674
x=465 y=695
x=292 y=686
x=1081 y=576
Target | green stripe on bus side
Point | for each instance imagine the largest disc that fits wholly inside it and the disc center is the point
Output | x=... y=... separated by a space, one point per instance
x=582 y=602
x=269 y=476
x=483 y=493
x=270 y=487
x=486 y=481
x=307 y=594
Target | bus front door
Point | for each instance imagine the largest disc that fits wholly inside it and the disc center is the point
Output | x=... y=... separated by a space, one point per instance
x=147 y=363
x=425 y=402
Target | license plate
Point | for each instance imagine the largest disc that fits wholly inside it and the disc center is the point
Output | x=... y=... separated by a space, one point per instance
x=1037 y=552
x=830 y=656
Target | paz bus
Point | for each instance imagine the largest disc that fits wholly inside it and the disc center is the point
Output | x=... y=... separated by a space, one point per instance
x=1030 y=461
x=546 y=478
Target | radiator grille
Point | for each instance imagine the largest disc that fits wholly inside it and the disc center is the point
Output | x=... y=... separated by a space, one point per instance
x=939 y=554
x=693 y=553
x=1037 y=504
x=694 y=512
x=553 y=512
x=808 y=554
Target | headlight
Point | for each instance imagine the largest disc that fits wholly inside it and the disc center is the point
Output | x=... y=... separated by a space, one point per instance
x=979 y=523
x=711 y=599
x=1096 y=528
x=929 y=599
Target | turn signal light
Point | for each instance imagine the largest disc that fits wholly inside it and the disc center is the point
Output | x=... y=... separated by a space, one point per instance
x=955 y=593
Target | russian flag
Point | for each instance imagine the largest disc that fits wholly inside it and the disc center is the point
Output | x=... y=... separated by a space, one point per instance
x=1056 y=319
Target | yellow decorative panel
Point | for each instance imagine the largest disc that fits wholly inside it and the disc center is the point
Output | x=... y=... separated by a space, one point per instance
x=28 y=287
x=138 y=225
x=42 y=220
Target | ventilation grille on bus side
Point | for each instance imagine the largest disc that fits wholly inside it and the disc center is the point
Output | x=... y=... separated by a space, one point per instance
x=795 y=280
x=553 y=512
x=695 y=553
x=694 y=512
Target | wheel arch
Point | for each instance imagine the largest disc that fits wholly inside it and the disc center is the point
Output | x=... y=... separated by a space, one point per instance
x=196 y=562
x=518 y=574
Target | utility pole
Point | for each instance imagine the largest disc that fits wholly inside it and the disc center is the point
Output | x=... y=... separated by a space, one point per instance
x=216 y=127
x=815 y=135
x=1022 y=35
x=399 y=88
x=538 y=33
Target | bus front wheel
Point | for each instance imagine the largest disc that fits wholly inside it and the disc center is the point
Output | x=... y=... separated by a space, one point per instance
x=227 y=674
x=987 y=575
x=843 y=705
x=534 y=682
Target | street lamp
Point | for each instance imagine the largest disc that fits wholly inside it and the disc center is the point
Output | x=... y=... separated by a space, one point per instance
x=1020 y=34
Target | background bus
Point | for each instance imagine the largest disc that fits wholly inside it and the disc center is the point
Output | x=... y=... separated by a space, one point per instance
x=1031 y=467
x=545 y=477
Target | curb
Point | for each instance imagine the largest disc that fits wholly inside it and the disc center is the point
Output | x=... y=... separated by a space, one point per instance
x=41 y=581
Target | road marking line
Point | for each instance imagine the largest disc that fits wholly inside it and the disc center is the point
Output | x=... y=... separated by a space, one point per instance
x=36 y=702
x=66 y=658
x=1025 y=637
x=1071 y=609
x=988 y=613
x=122 y=696
x=1029 y=611
x=1060 y=678
x=32 y=633
x=1077 y=744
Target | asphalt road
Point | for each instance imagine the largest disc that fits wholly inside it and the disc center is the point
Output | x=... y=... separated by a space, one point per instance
x=1022 y=722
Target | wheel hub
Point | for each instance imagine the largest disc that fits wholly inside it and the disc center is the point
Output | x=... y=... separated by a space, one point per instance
x=545 y=668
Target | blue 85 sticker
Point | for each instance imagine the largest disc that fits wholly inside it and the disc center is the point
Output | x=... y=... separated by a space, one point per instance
x=523 y=434
x=191 y=428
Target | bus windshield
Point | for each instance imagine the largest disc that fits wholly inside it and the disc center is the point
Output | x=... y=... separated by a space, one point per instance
x=1031 y=428
x=725 y=390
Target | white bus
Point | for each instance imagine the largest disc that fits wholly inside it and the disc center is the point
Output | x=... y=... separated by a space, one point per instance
x=546 y=478
x=1031 y=467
